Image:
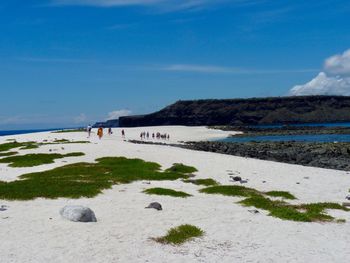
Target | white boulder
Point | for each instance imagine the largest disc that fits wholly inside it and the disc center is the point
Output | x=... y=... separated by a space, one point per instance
x=78 y=213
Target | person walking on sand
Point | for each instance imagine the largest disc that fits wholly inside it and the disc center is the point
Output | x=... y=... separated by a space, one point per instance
x=88 y=129
x=110 y=131
x=100 y=133
x=123 y=133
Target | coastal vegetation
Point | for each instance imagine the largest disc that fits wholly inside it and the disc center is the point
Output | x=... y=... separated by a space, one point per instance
x=285 y=195
x=34 y=145
x=205 y=182
x=69 y=131
x=14 y=144
x=85 y=179
x=314 y=212
x=181 y=168
x=181 y=234
x=165 y=191
x=5 y=154
x=30 y=160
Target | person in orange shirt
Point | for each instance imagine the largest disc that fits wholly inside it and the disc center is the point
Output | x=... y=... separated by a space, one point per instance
x=100 y=133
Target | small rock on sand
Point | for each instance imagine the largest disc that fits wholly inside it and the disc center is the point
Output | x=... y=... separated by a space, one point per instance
x=236 y=178
x=77 y=213
x=155 y=205
x=3 y=208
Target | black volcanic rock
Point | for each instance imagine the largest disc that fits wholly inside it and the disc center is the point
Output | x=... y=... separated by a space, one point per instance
x=278 y=110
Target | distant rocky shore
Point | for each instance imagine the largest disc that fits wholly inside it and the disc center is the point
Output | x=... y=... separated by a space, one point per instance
x=324 y=155
x=249 y=131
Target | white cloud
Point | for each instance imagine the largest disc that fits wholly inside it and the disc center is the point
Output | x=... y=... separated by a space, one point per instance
x=104 y=3
x=338 y=64
x=335 y=80
x=161 y=5
x=81 y=118
x=179 y=4
x=51 y=60
x=113 y=115
x=197 y=68
x=323 y=85
x=228 y=70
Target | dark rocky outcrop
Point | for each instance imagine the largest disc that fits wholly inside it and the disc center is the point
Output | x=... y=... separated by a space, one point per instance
x=324 y=155
x=278 y=110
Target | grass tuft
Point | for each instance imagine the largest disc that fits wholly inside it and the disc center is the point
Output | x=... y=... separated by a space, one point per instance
x=205 y=182
x=181 y=168
x=165 y=191
x=282 y=194
x=6 y=154
x=30 y=160
x=229 y=190
x=181 y=234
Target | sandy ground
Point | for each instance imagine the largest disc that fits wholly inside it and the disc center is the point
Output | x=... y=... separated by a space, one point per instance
x=33 y=231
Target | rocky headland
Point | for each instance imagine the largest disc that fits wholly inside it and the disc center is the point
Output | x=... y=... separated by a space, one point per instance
x=254 y=111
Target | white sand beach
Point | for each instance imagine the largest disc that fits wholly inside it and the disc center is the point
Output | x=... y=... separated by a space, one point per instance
x=34 y=231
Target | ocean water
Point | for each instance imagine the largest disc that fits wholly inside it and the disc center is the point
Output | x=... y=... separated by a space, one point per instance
x=15 y=132
x=337 y=124
x=298 y=138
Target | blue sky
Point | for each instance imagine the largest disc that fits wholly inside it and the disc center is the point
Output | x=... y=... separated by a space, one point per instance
x=70 y=62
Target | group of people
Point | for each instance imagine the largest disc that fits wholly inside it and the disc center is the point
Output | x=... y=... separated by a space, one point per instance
x=100 y=132
x=158 y=136
x=143 y=135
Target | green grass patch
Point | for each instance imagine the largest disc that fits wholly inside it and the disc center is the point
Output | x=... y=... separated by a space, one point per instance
x=63 y=141
x=33 y=145
x=181 y=168
x=280 y=209
x=22 y=145
x=30 y=160
x=5 y=154
x=181 y=234
x=69 y=131
x=84 y=179
x=229 y=190
x=282 y=194
x=165 y=191
x=205 y=182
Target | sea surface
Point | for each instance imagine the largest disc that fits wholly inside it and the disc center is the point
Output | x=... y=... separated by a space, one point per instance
x=337 y=124
x=298 y=138
x=15 y=132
